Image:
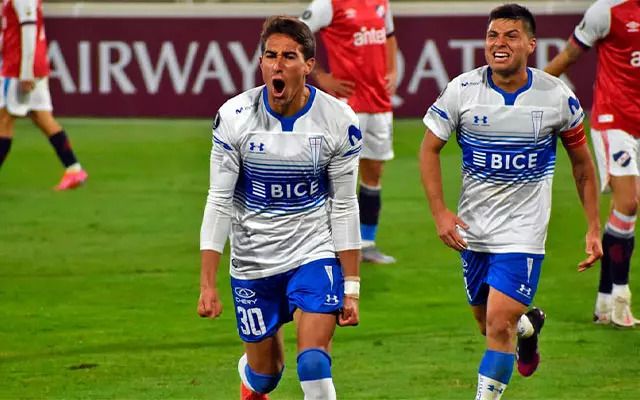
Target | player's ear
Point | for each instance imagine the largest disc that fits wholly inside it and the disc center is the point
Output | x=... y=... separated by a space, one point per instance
x=532 y=45
x=309 y=64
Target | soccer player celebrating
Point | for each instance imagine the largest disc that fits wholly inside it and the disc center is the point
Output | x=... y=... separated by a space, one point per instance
x=25 y=70
x=613 y=26
x=361 y=47
x=284 y=167
x=508 y=118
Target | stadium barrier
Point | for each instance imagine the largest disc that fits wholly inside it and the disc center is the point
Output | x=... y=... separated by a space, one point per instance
x=185 y=60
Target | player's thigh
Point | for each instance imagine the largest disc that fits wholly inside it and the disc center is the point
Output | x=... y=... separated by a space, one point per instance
x=317 y=291
x=267 y=355
x=6 y=123
x=377 y=136
x=503 y=312
x=617 y=154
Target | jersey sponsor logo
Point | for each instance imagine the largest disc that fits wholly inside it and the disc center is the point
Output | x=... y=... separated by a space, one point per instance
x=350 y=13
x=294 y=190
x=635 y=59
x=354 y=135
x=536 y=119
x=633 y=26
x=380 y=11
x=367 y=37
x=465 y=84
x=605 y=118
x=622 y=158
x=574 y=105
x=504 y=161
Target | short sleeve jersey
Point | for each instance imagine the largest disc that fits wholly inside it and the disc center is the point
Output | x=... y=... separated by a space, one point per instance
x=16 y=13
x=508 y=143
x=613 y=27
x=285 y=166
x=355 y=34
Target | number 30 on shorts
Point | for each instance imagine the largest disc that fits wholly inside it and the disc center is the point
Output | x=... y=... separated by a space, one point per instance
x=252 y=321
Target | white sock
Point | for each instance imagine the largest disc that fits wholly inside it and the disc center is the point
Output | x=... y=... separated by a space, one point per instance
x=489 y=389
x=76 y=167
x=368 y=243
x=621 y=291
x=603 y=302
x=242 y=363
x=525 y=329
x=320 y=389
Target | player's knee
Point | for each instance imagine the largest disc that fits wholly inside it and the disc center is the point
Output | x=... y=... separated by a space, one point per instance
x=627 y=207
x=262 y=383
x=500 y=330
x=314 y=364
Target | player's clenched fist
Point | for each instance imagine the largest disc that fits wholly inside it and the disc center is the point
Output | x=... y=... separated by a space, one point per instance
x=209 y=305
x=349 y=314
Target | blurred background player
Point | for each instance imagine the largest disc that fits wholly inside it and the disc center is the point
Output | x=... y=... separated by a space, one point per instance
x=289 y=201
x=507 y=118
x=25 y=70
x=361 y=47
x=613 y=27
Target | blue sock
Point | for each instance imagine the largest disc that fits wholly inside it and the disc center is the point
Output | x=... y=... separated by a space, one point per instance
x=497 y=365
x=370 y=203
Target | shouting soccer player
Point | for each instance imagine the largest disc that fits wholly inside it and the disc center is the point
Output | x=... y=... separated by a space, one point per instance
x=361 y=47
x=284 y=168
x=25 y=70
x=508 y=118
x=613 y=26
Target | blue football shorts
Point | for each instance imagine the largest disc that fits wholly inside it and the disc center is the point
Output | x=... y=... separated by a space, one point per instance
x=263 y=305
x=514 y=274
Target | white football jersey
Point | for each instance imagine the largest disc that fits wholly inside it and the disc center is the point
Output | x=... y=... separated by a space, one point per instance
x=508 y=143
x=287 y=184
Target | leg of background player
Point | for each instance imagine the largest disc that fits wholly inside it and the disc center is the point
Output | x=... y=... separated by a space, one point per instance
x=6 y=134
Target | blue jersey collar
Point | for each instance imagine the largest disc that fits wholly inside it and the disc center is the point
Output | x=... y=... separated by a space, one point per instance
x=509 y=98
x=287 y=122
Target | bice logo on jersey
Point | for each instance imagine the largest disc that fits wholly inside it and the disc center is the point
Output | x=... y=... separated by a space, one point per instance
x=288 y=190
x=505 y=161
x=368 y=36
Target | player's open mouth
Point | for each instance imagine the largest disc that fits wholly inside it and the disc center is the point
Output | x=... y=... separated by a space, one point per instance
x=278 y=86
x=500 y=56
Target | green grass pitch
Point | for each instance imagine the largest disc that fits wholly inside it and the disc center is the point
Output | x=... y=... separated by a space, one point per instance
x=98 y=286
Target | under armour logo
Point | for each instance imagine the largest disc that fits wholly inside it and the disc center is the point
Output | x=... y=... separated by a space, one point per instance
x=253 y=147
x=526 y=291
x=332 y=299
x=477 y=119
x=493 y=388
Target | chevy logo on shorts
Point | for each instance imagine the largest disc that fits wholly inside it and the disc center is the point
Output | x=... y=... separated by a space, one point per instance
x=244 y=292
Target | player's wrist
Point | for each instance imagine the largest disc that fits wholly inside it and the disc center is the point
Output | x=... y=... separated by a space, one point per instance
x=352 y=287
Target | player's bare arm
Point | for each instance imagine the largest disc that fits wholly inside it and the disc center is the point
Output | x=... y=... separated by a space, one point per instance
x=332 y=85
x=587 y=186
x=209 y=304
x=446 y=221
x=392 y=65
x=563 y=60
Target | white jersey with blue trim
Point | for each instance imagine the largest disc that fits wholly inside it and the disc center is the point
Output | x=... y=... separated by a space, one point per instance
x=286 y=185
x=508 y=143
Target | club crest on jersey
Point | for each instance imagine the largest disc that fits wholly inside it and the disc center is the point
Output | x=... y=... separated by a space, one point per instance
x=536 y=119
x=315 y=143
x=622 y=158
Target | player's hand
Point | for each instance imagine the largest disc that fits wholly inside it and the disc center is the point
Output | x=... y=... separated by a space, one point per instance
x=593 y=250
x=336 y=87
x=447 y=224
x=26 y=86
x=209 y=304
x=349 y=315
x=390 y=83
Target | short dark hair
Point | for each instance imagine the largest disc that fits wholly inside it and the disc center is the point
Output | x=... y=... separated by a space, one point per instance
x=517 y=12
x=292 y=27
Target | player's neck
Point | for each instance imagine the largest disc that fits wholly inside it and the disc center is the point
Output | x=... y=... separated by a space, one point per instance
x=510 y=82
x=291 y=108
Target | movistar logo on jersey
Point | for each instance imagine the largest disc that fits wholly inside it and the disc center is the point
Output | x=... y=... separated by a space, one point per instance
x=368 y=36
